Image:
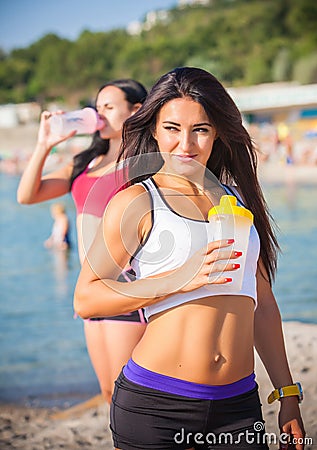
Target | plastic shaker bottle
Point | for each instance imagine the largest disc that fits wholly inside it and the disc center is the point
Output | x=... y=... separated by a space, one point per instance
x=84 y=121
x=230 y=221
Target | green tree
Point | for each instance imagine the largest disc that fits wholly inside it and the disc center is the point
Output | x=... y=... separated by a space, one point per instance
x=240 y=41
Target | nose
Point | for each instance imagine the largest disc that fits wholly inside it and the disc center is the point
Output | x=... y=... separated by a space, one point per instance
x=101 y=111
x=186 y=140
x=101 y=115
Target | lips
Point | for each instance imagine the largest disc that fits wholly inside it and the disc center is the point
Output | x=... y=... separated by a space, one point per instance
x=104 y=128
x=185 y=158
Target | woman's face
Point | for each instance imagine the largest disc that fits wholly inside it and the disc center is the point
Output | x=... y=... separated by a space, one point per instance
x=112 y=105
x=185 y=136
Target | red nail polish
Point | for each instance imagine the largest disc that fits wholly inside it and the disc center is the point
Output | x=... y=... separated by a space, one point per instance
x=227 y=280
x=230 y=241
x=237 y=253
x=236 y=266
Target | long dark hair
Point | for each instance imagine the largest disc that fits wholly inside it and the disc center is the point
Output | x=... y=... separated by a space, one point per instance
x=134 y=92
x=233 y=158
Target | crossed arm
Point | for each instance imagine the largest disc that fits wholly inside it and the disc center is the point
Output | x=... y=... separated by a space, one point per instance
x=126 y=224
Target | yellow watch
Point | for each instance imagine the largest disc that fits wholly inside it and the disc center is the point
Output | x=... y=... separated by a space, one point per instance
x=286 y=391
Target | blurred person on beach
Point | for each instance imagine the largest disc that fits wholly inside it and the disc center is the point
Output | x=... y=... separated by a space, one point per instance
x=59 y=238
x=92 y=181
x=191 y=376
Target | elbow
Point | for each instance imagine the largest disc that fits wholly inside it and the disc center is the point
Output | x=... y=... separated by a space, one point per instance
x=23 y=198
x=79 y=307
x=23 y=201
x=81 y=302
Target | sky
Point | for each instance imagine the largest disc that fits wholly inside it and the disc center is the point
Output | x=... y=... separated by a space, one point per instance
x=23 y=22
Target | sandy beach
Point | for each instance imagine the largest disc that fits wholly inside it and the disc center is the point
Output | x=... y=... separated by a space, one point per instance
x=85 y=426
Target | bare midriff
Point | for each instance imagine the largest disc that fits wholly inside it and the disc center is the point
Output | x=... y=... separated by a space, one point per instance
x=208 y=341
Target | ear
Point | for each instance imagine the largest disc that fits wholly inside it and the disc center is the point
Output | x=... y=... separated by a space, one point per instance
x=135 y=108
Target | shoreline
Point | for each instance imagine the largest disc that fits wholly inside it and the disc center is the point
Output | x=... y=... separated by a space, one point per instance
x=291 y=175
x=85 y=425
x=18 y=143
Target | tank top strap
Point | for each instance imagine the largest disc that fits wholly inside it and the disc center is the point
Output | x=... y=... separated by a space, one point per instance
x=156 y=198
x=91 y=164
x=231 y=190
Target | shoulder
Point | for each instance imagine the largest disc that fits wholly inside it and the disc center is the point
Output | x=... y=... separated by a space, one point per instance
x=134 y=200
x=129 y=193
x=128 y=214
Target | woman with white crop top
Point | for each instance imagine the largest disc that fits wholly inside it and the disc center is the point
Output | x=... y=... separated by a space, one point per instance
x=190 y=382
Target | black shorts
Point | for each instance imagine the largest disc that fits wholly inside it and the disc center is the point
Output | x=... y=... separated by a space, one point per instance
x=142 y=418
x=135 y=316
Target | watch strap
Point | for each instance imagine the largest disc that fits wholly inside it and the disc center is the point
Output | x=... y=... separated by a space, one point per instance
x=286 y=391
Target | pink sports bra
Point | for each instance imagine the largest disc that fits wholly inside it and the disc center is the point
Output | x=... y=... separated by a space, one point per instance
x=92 y=194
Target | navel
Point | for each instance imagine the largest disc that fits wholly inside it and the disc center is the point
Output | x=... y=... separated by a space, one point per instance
x=219 y=359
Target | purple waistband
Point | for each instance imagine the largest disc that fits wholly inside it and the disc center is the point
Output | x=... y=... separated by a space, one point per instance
x=153 y=380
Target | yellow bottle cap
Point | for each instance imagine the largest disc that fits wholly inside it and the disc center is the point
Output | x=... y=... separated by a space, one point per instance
x=228 y=205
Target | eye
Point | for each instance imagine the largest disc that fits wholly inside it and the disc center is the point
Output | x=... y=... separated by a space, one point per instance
x=170 y=128
x=201 y=130
x=101 y=108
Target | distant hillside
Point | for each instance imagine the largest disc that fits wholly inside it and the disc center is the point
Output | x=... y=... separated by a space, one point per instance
x=242 y=42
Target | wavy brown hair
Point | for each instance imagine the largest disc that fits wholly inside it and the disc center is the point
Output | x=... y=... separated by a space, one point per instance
x=134 y=92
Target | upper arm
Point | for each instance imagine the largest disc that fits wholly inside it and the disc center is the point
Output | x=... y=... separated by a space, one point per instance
x=121 y=231
x=55 y=184
x=36 y=188
x=266 y=298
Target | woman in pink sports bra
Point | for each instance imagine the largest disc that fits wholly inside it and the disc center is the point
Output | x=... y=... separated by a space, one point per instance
x=92 y=181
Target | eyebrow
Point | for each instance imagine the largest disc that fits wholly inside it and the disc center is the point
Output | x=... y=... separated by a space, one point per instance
x=194 y=125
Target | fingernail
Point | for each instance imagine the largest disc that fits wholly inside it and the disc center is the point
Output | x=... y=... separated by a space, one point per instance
x=230 y=241
x=227 y=280
x=237 y=253
x=236 y=266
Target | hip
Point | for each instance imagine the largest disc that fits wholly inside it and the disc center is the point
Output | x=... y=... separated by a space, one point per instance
x=142 y=416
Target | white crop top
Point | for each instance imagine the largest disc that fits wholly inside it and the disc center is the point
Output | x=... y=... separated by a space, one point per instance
x=172 y=240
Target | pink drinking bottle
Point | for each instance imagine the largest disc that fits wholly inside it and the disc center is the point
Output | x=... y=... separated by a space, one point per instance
x=84 y=121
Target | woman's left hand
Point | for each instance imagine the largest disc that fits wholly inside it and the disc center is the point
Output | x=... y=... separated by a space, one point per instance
x=291 y=425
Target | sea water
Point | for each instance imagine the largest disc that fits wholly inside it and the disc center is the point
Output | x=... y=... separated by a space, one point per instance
x=43 y=356
x=294 y=209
